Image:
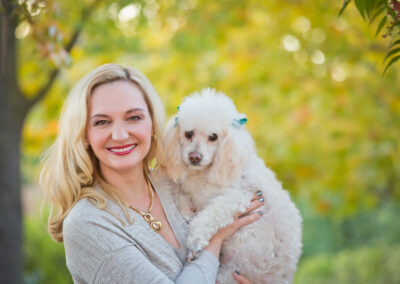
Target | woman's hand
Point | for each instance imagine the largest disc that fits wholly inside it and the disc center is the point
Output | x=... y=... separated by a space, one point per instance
x=240 y=278
x=242 y=219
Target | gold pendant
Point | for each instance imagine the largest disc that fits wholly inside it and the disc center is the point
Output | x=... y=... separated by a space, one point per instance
x=154 y=224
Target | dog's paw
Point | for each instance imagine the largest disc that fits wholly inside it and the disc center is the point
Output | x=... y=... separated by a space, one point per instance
x=196 y=243
x=193 y=255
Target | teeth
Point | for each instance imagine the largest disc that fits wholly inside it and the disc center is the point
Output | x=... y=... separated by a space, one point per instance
x=122 y=149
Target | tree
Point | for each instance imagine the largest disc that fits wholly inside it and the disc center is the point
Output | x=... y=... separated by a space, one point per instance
x=14 y=107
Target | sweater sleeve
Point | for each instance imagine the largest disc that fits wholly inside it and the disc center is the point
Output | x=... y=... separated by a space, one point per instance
x=99 y=252
x=129 y=265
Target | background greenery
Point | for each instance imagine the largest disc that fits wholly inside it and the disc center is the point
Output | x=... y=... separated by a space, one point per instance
x=323 y=116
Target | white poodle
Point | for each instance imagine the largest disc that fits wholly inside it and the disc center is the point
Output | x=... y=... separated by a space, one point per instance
x=212 y=156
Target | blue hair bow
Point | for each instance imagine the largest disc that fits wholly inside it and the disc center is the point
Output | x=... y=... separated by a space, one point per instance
x=237 y=123
x=176 y=119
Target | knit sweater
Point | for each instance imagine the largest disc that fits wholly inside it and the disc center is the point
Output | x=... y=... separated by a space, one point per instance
x=100 y=249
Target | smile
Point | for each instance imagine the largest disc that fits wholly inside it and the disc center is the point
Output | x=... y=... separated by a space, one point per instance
x=122 y=150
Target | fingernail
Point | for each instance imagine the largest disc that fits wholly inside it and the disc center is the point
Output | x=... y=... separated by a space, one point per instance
x=259 y=193
x=259 y=213
x=237 y=272
x=261 y=199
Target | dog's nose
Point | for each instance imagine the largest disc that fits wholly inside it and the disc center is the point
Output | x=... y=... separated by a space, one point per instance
x=195 y=157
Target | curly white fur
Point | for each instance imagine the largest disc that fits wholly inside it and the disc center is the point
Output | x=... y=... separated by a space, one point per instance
x=218 y=179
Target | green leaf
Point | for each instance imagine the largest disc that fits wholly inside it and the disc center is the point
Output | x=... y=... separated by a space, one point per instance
x=381 y=25
x=376 y=14
x=369 y=7
x=361 y=7
x=394 y=43
x=394 y=59
x=345 y=3
x=392 y=52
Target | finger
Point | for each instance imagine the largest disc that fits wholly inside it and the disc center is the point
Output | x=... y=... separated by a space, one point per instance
x=240 y=278
x=248 y=219
x=257 y=195
x=253 y=205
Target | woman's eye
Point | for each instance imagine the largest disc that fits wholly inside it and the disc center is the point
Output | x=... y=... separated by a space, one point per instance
x=213 y=137
x=135 y=117
x=189 y=134
x=100 y=122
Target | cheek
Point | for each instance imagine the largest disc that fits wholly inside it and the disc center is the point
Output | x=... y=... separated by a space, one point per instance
x=95 y=137
x=148 y=130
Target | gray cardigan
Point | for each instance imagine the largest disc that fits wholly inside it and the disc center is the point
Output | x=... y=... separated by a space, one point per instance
x=99 y=249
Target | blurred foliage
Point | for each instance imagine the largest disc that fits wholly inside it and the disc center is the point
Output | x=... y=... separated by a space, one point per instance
x=44 y=259
x=372 y=265
x=369 y=227
x=387 y=15
x=322 y=115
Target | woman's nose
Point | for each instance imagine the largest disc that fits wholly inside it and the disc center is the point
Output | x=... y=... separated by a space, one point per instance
x=119 y=132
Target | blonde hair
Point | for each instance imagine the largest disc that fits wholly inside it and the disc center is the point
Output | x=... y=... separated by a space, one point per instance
x=70 y=170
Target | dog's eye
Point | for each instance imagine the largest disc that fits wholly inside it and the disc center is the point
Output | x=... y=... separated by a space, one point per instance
x=189 y=134
x=213 y=137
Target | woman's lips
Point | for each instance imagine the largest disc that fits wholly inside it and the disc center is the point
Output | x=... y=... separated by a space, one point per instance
x=122 y=150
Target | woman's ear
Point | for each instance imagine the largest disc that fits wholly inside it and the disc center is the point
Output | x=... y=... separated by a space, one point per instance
x=231 y=156
x=172 y=151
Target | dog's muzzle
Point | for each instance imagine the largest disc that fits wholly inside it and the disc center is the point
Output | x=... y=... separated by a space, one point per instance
x=195 y=158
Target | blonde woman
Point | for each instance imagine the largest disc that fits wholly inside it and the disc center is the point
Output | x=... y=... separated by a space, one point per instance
x=116 y=217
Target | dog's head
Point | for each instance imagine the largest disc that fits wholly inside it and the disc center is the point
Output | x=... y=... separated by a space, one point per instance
x=207 y=134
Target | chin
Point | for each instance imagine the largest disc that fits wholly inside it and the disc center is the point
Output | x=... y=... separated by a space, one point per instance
x=121 y=166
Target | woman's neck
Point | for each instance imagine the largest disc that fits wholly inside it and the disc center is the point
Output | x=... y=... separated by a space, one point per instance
x=130 y=184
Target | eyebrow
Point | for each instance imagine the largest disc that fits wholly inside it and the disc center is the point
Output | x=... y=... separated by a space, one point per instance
x=127 y=112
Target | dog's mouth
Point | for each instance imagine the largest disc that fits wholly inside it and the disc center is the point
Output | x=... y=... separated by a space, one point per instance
x=197 y=166
x=194 y=165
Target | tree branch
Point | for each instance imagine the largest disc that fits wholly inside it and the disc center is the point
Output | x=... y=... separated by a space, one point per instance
x=40 y=94
x=54 y=73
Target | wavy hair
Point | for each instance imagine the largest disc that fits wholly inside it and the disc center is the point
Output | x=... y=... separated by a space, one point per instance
x=69 y=169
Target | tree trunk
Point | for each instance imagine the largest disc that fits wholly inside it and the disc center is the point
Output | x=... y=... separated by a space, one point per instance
x=13 y=110
x=10 y=197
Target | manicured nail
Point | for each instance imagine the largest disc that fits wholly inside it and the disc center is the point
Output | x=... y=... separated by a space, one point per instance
x=237 y=272
x=261 y=199
x=259 y=193
x=259 y=213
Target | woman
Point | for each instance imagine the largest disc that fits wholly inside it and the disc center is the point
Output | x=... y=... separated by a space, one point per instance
x=117 y=218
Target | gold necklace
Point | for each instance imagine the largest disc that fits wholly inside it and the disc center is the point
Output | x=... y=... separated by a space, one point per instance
x=154 y=224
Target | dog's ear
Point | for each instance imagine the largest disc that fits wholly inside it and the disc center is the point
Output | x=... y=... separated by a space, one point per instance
x=231 y=156
x=173 y=166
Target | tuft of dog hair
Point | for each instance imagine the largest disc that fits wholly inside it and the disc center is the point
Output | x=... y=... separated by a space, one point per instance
x=212 y=156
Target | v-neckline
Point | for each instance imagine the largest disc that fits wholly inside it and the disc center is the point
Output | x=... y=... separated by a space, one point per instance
x=168 y=216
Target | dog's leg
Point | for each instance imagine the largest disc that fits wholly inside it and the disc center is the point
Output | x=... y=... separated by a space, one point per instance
x=217 y=214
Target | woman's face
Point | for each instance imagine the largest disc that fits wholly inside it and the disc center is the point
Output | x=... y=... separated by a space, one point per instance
x=119 y=126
